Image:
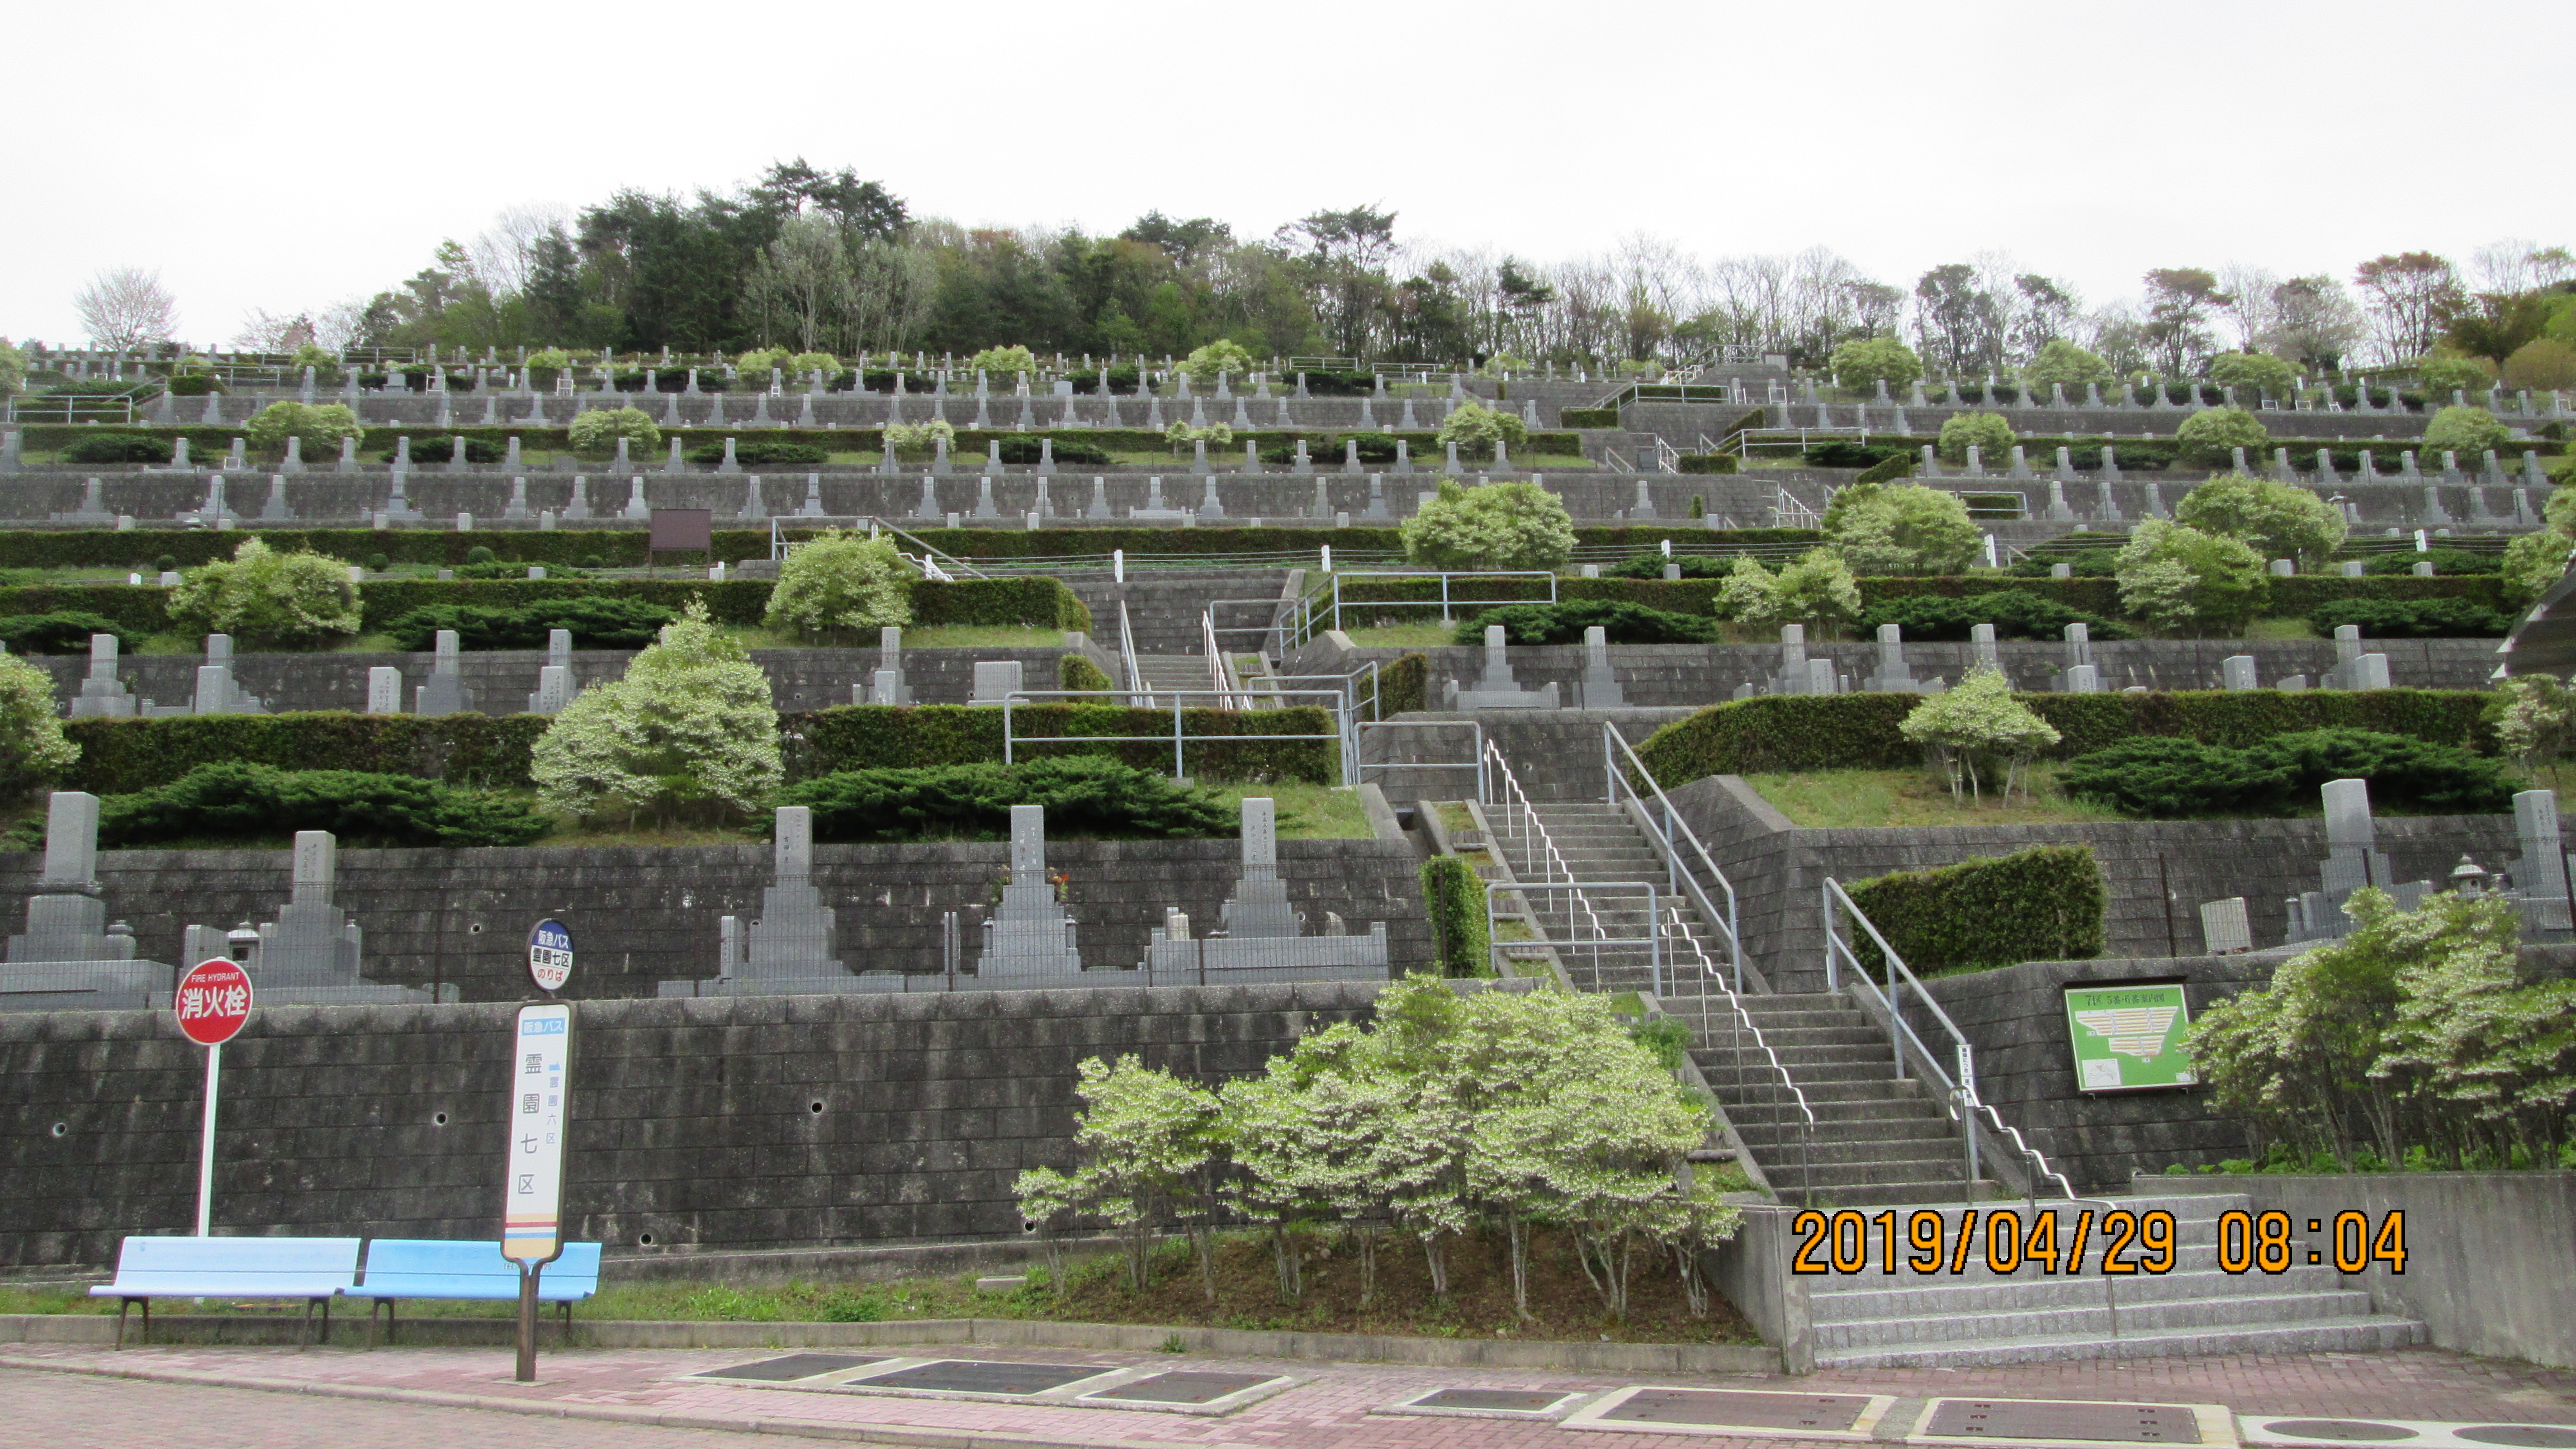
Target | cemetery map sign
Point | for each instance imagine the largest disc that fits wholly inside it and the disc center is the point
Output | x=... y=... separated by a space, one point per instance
x=2128 y=1036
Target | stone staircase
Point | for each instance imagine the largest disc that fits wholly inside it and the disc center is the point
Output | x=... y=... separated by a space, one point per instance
x=1879 y=1142
x=1980 y=1317
x=1157 y=673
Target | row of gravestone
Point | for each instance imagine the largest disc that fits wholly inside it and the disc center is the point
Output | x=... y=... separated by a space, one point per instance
x=70 y=956
x=2491 y=473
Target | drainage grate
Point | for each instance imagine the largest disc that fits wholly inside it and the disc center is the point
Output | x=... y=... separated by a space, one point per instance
x=794 y=1366
x=1183 y=1387
x=1501 y=1401
x=2088 y=1422
x=2341 y=1431
x=1740 y=1408
x=979 y=1376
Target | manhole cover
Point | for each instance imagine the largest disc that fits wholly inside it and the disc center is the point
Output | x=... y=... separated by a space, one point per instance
x=1511 y=1401
x=1742 y=1408
x=1182 y=1388
x=794 y=1366
x=2520 y=1436
x=2342 y=1431
x=978 y=1376
x=2029 y=1419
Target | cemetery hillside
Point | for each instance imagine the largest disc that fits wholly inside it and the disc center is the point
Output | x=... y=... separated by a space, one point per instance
x=1079 y=823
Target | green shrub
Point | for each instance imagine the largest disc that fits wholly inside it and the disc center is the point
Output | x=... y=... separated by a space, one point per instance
x=1699 y=463
x=1775 y=733
x=1020 y=448
x=2061 y=361
x=2041 y=904
x=1404 y=686
x=34 y=748
x=1453 y=896
x=2412 y=619
x=1083 y=795
x=840 y=585
x=2446 y=562
x=266 y=599
x=320 y=425
x=120 y=756
x=1002 y=362
x=2213 y=434
x=2465 y=431
x=241 y=801
x=595 y=624
x=2254 y=375
x=1898 y=464
x=1492 y=526
x=2533 y=563
x=2167 y=779
x=1862 y=363
x=1901 y=528
x=480 y=554
x=1988 y=433
x=63 y=633
x=117 y=448
x=595 y=434
x=760 y=452
x=2440 y=377
x=1850 y=455
x=1564 y=624
x=2015 y=613
x=2277 y=519
x=2174 y=576
x=1692 y=566
x=1475 y=428
x=1588 y=418
x=1074 y=671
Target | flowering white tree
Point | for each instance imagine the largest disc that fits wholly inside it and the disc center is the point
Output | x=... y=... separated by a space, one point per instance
x=1143 y=1137
x=32 y=747
x=263 y=597
x=126 y=307
x=1750 y=593
x=1978 y=721
x=688 y=733
x=839 y=584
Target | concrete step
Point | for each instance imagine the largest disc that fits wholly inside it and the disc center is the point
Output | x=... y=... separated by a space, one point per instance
x=1889 y=1193
x=2228 y=1310
x=2339 y=1335
x=1784 y=1136
x=2024 y=1292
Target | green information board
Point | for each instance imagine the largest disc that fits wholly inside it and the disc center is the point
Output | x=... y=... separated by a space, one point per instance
x=2128 y=1036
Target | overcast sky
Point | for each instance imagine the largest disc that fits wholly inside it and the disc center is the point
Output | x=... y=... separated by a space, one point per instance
x=286 y=156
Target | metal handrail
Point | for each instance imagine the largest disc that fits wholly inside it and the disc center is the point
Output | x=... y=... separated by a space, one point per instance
x=1180 y=735
x=1616 y=745
x=780 y=545
x=1740 y=1022
x=1136 y=696
x=1221 y=677
x=1959 y=1097
x=1538 y=845
x=1312 y=608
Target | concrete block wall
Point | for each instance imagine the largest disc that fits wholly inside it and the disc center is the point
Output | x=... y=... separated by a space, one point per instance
x=642 y=915
x=746 y=1123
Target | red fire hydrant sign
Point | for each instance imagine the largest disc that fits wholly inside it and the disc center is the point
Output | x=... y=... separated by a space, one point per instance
x=213 y=1002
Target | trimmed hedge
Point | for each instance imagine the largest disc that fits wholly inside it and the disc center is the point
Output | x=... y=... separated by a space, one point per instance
x=1404 y=686
x=124 y=756
x=241 y=801
x=1036 y=602
x=2413 y=619
x=872 y=736
x=1889 y=469
x=2165 y=779
x=1859 y=731
x=1084 y=795
x=2042 y=904
x=1588 y=418
x=1453 y=896
x=1565 y=623
x=1077 y=672
x=1710 y=463
x=2015 y=613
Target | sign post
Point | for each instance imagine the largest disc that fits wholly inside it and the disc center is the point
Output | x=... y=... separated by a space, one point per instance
x=212 y=1003
x=2128 y=1037
x=539 y=1105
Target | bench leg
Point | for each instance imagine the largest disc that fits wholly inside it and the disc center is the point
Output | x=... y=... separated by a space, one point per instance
x=147 y=1323
x=326 y=1319
x=563 y=1334
x=122 y=1304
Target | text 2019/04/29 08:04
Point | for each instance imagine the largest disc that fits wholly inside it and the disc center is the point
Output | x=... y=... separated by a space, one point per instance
x=2046 y=1241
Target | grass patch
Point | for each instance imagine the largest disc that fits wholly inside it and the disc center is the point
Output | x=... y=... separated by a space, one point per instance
x=1858 y=799
x=1404 y=636
x=1307 y=812
x=2281 y=629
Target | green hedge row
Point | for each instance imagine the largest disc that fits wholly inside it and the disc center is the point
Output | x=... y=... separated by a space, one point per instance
x=1036 y=602
x=2042 y=904
x=122 y=756
x=212 y=442
x=1404 y=686
x=1859 y=731
x=1077 y=672
x=868 y=736
x=1453 y=896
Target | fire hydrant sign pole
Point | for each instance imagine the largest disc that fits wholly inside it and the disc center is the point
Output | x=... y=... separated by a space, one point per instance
x=212 y=1004
x=540 y=1104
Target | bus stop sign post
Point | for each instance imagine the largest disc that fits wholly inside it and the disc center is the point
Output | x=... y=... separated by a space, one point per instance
x=540 y=1104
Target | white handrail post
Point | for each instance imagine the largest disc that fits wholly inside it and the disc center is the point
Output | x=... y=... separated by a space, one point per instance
x=1006 y=729
x=1833 y=977
x=1968 y=1108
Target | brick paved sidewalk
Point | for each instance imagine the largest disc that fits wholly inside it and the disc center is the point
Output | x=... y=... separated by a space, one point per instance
x=642 y=1387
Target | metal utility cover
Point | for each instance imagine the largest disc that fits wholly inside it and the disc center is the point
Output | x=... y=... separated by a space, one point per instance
x=2411 y=1433
x=1508 y=1401
x=794 y=1366
x=2052 y=1421
x=980 y=1376
x=1183 y=1387
x=1741 y=1408
x=2521 y=1436
x=2342 y=1431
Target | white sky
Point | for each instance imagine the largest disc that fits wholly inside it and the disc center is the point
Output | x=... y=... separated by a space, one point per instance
x=286 y=156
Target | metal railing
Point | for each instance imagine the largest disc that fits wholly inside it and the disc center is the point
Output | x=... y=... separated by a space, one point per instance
x=1221 y=677
x=1327 y=603
x=1554 y=877
x=1785 y=1092
x=72 y=408
x=1959 y=1096
x=1474 y=762
x=1180 y=700
x=1665 y=822
x=1135 y=680
x=1788 y=512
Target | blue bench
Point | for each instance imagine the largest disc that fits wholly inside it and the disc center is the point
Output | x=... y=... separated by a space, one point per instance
x=313 y=1269
x=442 y=1268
